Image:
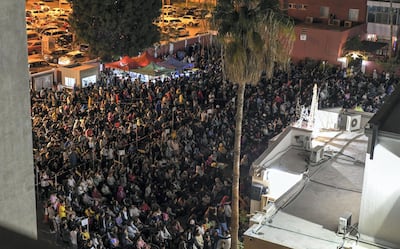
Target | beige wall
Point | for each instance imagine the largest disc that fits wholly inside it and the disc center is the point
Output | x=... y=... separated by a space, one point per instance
x=17 y=191
x=380 y=200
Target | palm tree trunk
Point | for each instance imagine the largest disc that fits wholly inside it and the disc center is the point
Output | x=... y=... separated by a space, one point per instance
x=236 y=166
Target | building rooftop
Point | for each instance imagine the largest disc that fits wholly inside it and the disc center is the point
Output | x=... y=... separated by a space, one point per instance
x=307 y=215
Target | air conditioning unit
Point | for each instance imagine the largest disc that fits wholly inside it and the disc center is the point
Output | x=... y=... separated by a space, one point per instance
x=309 y=19
x=317 y=154
x=344 y=223
x=336 y=22
x=353 y=122
x=347 y=24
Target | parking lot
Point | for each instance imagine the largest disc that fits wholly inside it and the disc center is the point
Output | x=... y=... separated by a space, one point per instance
x=50 y=38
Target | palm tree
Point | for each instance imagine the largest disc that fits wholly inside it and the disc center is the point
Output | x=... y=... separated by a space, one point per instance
x=255 y=37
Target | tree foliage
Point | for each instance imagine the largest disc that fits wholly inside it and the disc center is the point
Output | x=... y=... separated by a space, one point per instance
x=115 y=27
x=256 y=37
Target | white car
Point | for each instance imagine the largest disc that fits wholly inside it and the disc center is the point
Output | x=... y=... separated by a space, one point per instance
x=71 y=58
x=64 y=4
x=169 y=7
x=37 y=13
x=46 y=28
x=172 y=21
x=179 y=31
x=56 y=12
x=41 y=6
x=190 y=20
x=38 y=65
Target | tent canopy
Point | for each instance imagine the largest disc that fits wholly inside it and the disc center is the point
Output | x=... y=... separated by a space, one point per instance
x=144 y=59
x=153 y=69
x=173 y=63
x=127 y=63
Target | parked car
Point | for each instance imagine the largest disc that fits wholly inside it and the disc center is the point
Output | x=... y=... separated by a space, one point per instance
x=43 y=29
x=172 y=21
x=55 y=12
x=36 y=13
x=55 y=33
x=30 y=28
x=64 y=4
x=28 y=16
x=37 y=65
x=168 y=13
x=65 y=41
x=83 y=47
x=38 y=5
x=53 y=56
x=32 y=35
x=160 y=22
x=62 y=19
x=168 y=7
x=190 y=20
x=71 y=58
x=201 y=13
x=179 y=31
x=34 y=47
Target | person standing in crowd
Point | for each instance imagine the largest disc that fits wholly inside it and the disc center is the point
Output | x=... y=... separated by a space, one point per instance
x=176 y=135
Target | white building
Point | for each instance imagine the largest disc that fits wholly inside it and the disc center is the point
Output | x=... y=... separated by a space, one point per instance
x=321 y=189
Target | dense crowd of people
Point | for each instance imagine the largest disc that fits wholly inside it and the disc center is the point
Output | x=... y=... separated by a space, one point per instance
x=126 y=164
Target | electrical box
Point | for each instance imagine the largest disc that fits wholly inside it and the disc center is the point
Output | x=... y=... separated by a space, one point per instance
x=256 y=191
x=317 y=154
x=344 y=223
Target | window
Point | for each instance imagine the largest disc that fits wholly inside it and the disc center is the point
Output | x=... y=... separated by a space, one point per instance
x=378 y=14
x=291 y=6
x=69 y=82
x=353 y=14
x=324 y=11
x=301 y=6
x=88 y=80
x=371 y=17
x=382 y=18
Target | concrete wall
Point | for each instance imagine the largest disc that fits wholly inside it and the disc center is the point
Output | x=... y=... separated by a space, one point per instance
x=181 y=45
x=17 y=192
x=322 y=44
x=380 y=201
x=253 y=243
